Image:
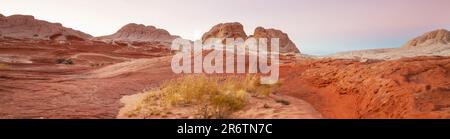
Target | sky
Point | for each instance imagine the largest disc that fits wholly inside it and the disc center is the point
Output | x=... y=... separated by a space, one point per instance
x=318 y=27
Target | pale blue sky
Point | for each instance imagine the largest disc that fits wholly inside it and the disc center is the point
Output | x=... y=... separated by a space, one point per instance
x=316 y=26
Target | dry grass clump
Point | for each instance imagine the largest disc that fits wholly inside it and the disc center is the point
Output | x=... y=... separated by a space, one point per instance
x=209 y=97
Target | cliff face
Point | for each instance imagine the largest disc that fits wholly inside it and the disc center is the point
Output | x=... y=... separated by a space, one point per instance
x=27 y=27
x=139 y=33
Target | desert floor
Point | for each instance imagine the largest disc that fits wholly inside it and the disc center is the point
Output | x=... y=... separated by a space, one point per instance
x=33 y=85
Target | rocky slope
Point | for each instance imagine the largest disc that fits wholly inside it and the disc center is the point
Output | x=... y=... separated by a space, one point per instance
x=435 y=43
x=407 y=88
x=437 y=37
x=33 y=84
x=236 y=30
x=139 y=33
x=27 y=27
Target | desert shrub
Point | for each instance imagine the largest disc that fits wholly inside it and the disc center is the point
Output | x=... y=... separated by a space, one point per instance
x=212 y=97
x=64 y=61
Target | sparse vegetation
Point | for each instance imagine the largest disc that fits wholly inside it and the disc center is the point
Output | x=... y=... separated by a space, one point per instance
x=210 y=97
x=64 y=61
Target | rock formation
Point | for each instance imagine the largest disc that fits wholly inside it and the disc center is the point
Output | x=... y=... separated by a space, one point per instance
x=226 y=30
x=437 y=37
x=139 y=33
x=236 y=30
x=286 y=45
x=27 y=27
x=407 y=88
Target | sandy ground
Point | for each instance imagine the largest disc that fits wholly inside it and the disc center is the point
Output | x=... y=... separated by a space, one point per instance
x=257 y=108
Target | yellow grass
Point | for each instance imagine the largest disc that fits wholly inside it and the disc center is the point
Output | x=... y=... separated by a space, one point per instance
x=212 y=97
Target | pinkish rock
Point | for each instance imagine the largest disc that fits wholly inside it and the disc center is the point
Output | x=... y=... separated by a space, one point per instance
x=437 y=37
x=286 y=45
x=139 y=33
x=236 y=30
x=226 y=30
x=27 y=27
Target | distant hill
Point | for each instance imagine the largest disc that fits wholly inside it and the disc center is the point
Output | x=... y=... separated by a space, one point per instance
x=139 y=33
x=434 y=43
x=27 y=27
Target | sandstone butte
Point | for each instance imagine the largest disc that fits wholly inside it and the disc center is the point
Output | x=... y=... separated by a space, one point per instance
x=236 y=30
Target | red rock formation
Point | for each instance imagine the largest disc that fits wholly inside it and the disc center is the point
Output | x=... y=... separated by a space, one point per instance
x=51 y=89
x=27 y=27
x=286 y=45
x=440 y=36
x=139 y=33
x=406 y=88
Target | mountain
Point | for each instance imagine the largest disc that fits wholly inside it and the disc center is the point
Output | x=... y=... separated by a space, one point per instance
x=27 y=27
x=139 y=33
x=437 y=37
